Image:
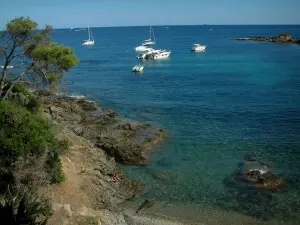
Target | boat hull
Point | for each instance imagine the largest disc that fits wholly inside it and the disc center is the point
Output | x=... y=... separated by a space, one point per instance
x=88 y=42
x=198 y=49
x=163 y=55
x=138 y=69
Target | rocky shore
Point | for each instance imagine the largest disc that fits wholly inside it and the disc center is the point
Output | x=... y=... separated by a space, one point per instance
x=125 y=140
x=95 y=186
x=280 y=38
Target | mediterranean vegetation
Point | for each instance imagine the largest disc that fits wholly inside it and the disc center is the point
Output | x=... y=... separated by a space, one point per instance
x=29 y=151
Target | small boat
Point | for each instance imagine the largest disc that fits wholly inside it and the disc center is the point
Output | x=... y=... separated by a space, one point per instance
x=8 y=67
x=138 y=68
x=198 y=48
x=154 y=54
x=91 y=40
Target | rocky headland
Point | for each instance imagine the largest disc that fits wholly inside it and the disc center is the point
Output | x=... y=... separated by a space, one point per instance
x=280 y=38
x=95 y=186
x=125 y=140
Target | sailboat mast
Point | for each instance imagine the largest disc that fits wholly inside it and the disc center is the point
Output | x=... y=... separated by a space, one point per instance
x=150 y=30
x=89 y=32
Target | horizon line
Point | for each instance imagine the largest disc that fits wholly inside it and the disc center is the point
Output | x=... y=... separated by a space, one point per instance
x=168 y=25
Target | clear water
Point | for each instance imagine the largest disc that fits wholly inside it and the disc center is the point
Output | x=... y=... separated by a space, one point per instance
x=235 y=98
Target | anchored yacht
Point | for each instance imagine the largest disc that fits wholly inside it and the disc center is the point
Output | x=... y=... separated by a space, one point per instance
x=147 y=43
x=91 y=40
x=198 y=48
x=154 y=54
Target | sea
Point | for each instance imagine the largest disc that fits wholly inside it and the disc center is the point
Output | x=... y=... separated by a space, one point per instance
x=237 y=98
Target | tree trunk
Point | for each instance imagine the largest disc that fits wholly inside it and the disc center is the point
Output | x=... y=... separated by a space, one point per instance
x=16 y=81
x=3 y=79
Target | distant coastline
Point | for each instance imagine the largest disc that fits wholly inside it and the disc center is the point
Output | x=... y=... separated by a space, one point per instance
x=280 y=38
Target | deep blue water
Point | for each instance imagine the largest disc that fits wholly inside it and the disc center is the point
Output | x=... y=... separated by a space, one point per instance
x=236 y=97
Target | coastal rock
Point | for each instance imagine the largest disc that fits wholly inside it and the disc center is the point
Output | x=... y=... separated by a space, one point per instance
x=125 y=140
x=88 y=105
x=42 y=93
x=129 y=154
x=280 y=38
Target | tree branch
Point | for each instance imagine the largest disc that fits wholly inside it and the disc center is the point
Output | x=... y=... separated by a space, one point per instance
x=16 y=81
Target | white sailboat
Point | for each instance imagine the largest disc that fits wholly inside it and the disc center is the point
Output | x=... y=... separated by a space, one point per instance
x=91 y=40
x=150 y=42
x=147 y=43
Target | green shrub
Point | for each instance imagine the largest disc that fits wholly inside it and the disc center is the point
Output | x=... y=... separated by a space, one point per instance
x=54 y=167
x=34 y=104
x=19 y=88
x=23 y=133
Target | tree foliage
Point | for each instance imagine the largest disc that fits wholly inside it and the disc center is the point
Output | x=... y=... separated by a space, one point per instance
x=33 y=53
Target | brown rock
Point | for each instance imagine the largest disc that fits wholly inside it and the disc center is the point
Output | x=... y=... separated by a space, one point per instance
x=268 y=180
x=88 y=106
x=280 y=38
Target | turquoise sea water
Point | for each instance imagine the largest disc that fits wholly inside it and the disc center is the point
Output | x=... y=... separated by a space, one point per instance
x=235 y=98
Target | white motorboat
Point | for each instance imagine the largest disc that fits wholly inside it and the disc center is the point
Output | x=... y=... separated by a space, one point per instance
x=91 y=40
x=154 y=54
x=147 y=54
x=162 y=54
x=198 y=48
x=138 y=68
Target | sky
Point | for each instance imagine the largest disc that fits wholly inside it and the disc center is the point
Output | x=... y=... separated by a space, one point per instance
x=103 y=13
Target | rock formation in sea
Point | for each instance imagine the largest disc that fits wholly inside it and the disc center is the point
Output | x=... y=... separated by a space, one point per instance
x=280 y=38
x=251 y=189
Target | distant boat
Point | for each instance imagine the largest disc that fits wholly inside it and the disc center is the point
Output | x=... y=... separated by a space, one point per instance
x=138 y=68
x=150 y=42
x=198 y=48
x=162 y=54
x=91 y=40
x=8 y=67
x=147 y=43
x=154 y=54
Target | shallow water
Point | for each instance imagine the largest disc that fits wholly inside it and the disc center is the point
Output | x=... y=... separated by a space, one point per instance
x=236 y=97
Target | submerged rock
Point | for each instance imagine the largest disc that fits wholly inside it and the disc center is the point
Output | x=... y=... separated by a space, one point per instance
x=145 y=205
x=251 y=188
